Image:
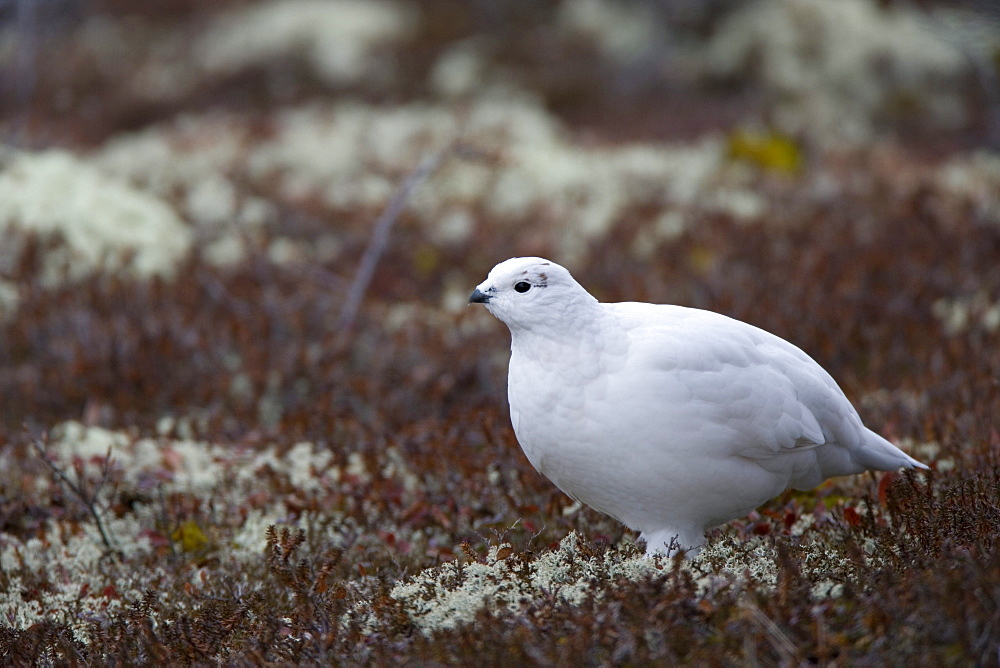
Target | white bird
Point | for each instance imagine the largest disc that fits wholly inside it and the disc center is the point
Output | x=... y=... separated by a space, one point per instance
x=670 y=419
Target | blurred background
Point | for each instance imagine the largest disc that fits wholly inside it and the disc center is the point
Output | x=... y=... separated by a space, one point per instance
x=237 y=240
x=234 y=207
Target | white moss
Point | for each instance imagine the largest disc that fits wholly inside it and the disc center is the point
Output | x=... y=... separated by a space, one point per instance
x=622 y=32
x=751 y=560
x=356 y=466
x=305 y=465
x=958 y=315
x=77 y=571
x=494 y=475
x=668 y=226
x=74 y=439
x=454 y=227
x=193 y=466
x=826 y=589
x=212 y=200
x=249 y=541
x=334 y=151
x=450 y=595
x=339 y=39
x=398 y=468
x=739 y=204
x=10 y=298
x=182 y=464
x=193 y=160
x=71 y=554
x=525 y=167
x=976 y=179
x=930 y=451
x=581 y=192
x=833 y=67
x=914 y=401
x=103 y=220
x=752 y=564
x=343 y=152
x=288 y=251
x=460 y=70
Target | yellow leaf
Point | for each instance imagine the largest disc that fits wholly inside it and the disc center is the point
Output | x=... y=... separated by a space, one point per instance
x=702 y=259
x=426 y=260
x=190 y=536
x=767 y=150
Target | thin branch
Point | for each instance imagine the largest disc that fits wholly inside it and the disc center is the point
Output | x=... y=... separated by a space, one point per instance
x=89 y=500
x=380 y=238
x=781 y=642
x=218 y=293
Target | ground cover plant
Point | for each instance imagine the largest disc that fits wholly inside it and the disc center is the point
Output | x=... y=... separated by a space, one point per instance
x=246 y=416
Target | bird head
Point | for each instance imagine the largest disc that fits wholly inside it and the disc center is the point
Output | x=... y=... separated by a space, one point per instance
x=527 y=292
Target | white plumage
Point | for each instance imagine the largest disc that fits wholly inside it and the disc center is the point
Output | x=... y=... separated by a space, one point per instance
x=669 y=419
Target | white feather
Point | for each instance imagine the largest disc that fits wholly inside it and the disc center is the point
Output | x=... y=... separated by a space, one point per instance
x=670 y=419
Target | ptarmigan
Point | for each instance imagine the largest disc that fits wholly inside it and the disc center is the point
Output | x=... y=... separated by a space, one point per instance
x=670 y=419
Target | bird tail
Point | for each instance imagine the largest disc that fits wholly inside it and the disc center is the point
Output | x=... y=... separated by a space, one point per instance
x=881 y=455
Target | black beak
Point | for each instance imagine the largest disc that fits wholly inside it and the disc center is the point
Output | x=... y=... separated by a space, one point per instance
x=478 y=297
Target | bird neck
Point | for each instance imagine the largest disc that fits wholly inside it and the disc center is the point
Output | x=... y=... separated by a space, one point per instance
x=570 y=334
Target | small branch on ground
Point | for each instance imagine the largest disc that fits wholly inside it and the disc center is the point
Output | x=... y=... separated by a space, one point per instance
x=79 y=488
x=380 y=238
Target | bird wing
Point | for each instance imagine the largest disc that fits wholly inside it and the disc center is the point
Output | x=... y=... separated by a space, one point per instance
x=762 y=396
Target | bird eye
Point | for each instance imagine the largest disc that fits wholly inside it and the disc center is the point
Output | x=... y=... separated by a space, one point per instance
x=522 y=286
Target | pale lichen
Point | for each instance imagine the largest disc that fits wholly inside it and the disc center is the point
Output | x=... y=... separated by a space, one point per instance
x=105 y=222
x=337 y=38
x=581 y=192
x=84 y=585
x=833 y=68
x=452 y=594
x=622 y=31
x=975 y=178
x=960 y=314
